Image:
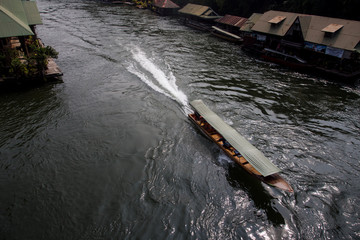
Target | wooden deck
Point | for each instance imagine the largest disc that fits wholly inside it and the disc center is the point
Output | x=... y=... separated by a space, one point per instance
x=53 y=70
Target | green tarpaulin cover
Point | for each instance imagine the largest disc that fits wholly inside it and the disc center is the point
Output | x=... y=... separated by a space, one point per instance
x=249 y=152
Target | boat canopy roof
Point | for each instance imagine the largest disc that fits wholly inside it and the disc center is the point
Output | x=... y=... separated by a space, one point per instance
x=246 y=149
x=226 y=33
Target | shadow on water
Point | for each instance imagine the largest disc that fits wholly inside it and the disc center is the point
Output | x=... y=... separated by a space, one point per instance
x=23 y=86
x=240 y=179
x=26 y=112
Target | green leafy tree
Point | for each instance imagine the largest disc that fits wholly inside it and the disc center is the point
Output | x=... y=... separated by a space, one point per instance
x=34 y=65
x=18 y=69
x=38 y=58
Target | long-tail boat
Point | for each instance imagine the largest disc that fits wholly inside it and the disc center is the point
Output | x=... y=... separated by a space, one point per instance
x=286 y=60
x=236 y=146
x=226 y=35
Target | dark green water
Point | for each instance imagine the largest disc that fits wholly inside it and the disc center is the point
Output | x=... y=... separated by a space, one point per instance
x=110 y=153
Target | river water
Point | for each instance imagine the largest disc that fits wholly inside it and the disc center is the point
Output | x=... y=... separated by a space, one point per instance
x=110 y=154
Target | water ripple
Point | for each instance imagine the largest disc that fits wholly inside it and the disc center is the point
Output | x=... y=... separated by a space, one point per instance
x=110 y=153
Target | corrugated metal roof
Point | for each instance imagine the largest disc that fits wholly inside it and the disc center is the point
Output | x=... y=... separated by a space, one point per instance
x=346 y=37
x=32 y=12
x=357 y=47
x=232 y=20
x=194 y=9
x=263 y=25
x=15 y=7
x=249 y=152
x=247 y=27
x=346 y=33
x=199 y=11
x=11 y=25
x=277 y=19
x=208 y=12
x=332 y=28
x=16 y=16
x=165 y=4
x=304 y=23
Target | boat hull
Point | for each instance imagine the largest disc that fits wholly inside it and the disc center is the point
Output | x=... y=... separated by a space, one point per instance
x=226 y=35
x=274 y=180
x=291 y=65
x=227 y=38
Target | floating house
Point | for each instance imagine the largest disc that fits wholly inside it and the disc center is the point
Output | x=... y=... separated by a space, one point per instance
x=18 y=19
x=335 y=37
x=247 y=26
x=198 y=16
x=165 y=7
x=249 y=37
x=279 y=27
x=231 y=23
x=329 y=44
x=228 y=28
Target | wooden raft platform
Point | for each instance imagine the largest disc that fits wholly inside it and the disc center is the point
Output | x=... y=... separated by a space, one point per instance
x=53 y=70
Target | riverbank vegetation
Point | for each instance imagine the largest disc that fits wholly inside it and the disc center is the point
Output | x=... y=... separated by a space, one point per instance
x=27 y=62
x=346 y=9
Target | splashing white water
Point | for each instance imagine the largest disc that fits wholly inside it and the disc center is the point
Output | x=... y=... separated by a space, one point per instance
x=223 y=159
x=156 y=78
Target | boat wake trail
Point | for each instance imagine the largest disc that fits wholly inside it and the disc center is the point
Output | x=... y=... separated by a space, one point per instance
x=156 y=78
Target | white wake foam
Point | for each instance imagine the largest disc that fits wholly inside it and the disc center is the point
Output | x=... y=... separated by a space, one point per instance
x=155 y=77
